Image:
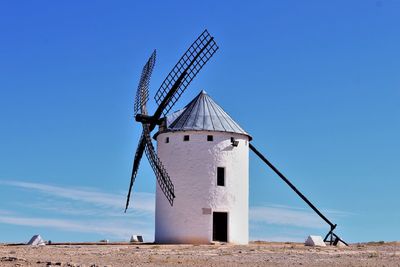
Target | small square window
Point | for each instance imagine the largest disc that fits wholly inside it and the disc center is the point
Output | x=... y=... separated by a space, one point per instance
x=234 y=142
x=221 y=176
x=167 y=140
x=210 y=138
x=186 y=138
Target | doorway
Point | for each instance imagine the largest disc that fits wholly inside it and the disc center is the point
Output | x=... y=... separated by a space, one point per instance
x=220 y=226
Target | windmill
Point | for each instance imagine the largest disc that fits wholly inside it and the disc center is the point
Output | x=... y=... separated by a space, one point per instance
x=202 y=117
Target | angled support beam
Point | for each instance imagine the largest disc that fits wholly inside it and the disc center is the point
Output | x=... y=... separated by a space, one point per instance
x=303 y=197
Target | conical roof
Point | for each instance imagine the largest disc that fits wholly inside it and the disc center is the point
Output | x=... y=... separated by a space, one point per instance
x=202 y=114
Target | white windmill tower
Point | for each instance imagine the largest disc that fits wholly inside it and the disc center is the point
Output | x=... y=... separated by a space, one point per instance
x=206 y=154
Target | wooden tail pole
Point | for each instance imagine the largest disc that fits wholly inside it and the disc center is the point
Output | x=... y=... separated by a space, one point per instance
x=334 y=239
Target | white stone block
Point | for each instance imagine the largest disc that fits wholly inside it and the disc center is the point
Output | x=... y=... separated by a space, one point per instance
x=36 y=240
x=315 y=241
x=136 y=238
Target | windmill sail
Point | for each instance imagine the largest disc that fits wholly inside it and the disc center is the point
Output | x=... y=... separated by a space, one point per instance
x=171 y=89
x=136 y=162
x=142 y=93
x=185 y=70
x=162 y=176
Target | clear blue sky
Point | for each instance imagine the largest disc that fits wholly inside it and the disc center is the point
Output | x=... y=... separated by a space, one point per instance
x=316 y=83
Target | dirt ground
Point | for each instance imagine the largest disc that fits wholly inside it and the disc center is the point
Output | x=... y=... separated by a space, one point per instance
x=255 y=254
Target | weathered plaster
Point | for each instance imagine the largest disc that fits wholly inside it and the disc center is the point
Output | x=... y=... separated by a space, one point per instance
x=192 y=167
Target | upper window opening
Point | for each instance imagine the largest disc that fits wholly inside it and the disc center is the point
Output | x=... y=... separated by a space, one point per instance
x=167 y=140
x=210 y=138
x=221 y=176
x=186 y=138
x=234 y=142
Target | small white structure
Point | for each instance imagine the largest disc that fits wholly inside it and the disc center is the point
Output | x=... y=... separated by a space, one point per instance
x=136 y=239
x=36 y=240
x=315 y=241
x=206 y=154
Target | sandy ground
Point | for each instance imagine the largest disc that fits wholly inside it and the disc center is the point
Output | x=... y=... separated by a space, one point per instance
x=255 y=254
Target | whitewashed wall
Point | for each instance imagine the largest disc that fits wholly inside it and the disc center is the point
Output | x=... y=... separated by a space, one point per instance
x=192 y=167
